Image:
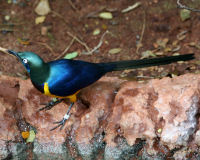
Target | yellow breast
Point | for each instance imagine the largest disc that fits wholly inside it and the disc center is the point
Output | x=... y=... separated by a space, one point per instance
x=72 y=98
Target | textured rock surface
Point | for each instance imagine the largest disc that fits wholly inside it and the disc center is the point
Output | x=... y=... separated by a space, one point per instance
x=177 y=106
x=43 y=120
x=9 y=132
x=164 y=109
x=154 y=119
x=132 y=111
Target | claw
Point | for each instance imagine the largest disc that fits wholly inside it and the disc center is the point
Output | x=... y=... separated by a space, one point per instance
x=50 y=105
x=61 y=123
x=57 y=127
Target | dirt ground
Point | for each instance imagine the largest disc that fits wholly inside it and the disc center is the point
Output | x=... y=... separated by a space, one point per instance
x=155 y=24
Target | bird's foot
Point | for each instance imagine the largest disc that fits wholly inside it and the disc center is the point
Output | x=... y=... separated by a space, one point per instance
x=61 y=123
x=51 y=104
x=65 y=118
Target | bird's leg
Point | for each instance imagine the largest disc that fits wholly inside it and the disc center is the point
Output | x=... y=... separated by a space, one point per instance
x=61 y=123
x=51 y=104
x=65 y=118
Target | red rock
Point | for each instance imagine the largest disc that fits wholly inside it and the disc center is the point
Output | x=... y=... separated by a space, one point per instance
x=8 y=127
x=131 y=116
x=9 y=88
x=197 y=137
x=93 y=120
x=100 y=96
x=177 y=104
x=43 y=120
x=164 y=109
x=85 y=120
x=167 y=106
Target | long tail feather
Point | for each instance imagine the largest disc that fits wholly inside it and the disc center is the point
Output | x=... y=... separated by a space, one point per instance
x=132 y=64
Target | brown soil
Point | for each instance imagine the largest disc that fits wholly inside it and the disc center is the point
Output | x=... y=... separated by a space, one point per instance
x=160 y=19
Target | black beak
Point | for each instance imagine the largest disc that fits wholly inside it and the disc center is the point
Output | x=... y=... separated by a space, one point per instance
x=13 y=53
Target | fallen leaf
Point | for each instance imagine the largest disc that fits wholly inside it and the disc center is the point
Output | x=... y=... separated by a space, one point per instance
x=25 y=134
x=176 y=54
x=192 y=44
x=96 y=31
x=162 y=42
x=147 y=54
x=104 y=26
x=185 y=14
x=31 y=136
x=40 y=19
x=174 y=43
x=182 y=37
x=71 y=55
x=167 y=49
x=43 y=8
x=176 y=49
x=114 y=50
x=105 y=15
x=159 y=53
x=23 y=41
x=7 y=17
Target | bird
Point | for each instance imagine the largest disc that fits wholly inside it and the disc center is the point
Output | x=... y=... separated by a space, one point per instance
x=64 y=78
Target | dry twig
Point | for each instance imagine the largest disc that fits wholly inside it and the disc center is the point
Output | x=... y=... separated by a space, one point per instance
x=94 y=14
x=60 y=16
x=79 y=41
x=89 y=51
x=185 y=7
x=137 y=4
x=66 y=49
x=3 y=50
x=73 y=6
x=139 y=45
x=99 y=44
x=46 y=45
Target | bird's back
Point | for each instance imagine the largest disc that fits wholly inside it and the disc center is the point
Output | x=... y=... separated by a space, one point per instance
x=68 y=76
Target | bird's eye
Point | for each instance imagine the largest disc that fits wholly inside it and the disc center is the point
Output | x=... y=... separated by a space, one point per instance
x=25 y=61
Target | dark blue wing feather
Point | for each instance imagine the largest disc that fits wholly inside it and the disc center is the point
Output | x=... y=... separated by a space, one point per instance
x=68 y=76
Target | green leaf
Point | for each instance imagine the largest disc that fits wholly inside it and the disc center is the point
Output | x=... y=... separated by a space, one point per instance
x=31 y=136
x=105 y=15
x=40 y=19
x=147 y=54
x=96 y=31
x=71 y=55
x=114 y=50
x=185 y=14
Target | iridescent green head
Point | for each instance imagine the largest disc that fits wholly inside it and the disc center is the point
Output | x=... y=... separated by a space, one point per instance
x=30 y=60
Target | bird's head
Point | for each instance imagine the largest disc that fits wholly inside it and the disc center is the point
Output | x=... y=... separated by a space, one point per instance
x=30 y=60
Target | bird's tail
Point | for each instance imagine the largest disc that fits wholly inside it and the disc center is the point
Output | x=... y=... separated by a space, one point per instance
x=132 y=64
